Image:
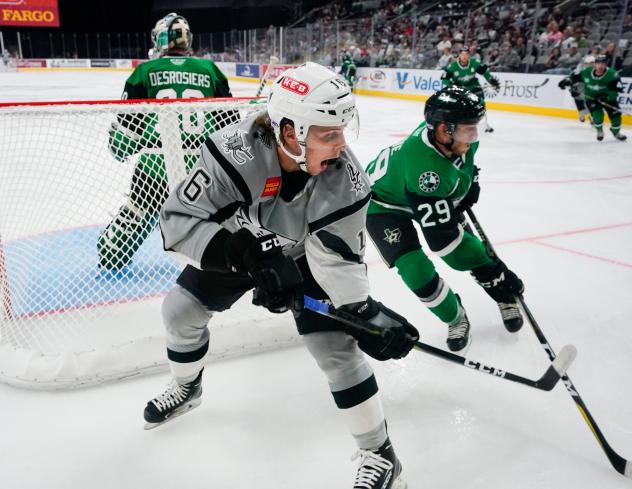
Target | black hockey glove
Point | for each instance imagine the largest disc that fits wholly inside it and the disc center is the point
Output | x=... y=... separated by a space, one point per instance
x=397 y=336
x=495 y=83
x=471 y=197
x=499 y=282
x=564 y=83
x=277 y=277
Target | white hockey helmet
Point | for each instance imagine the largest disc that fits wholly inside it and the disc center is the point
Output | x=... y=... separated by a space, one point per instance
x=171 y=32
x=310 y=95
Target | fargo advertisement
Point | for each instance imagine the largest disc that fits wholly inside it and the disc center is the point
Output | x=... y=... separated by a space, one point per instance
x=29 y=13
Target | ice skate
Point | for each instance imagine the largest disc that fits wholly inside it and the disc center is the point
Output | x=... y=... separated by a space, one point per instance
x=459 y=331
x=177 y=400
x=379 y=469
x=618 y=136
x=512 y=317
x=599 y=134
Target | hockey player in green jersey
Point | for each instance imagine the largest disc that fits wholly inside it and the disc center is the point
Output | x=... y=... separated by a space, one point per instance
x=601 y=89
x=173 y=74
x=462 y=73
x=431 y=178
x=348 y=70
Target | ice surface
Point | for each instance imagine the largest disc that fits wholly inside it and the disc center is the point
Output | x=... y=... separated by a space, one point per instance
x=558 y=206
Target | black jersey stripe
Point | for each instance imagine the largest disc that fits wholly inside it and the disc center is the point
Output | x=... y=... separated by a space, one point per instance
x=339 y=214
x=230 y=170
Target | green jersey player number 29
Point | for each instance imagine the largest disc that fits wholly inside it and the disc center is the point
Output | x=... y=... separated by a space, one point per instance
x=172 y=74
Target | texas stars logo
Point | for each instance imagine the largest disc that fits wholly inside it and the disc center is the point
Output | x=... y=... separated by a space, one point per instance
x=392 y=235
x=429 y=181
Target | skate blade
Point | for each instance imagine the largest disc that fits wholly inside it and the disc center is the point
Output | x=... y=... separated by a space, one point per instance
x=464 y=350
x=179 y=412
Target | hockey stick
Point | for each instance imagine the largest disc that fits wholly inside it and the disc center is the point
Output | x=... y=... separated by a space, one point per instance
x=545 y=383
x=273 y=61
x=620 y=464
x=618 y=109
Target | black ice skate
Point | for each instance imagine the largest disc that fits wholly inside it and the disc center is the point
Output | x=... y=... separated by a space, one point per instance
x=459 y=331
x=617 y=135
x=599 y=134
x=177 y=399
x=512 y=317
x=379 y=469
x=489 y=129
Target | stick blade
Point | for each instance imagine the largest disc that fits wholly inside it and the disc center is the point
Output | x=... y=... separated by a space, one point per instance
x=564 y=359
x=628 y=470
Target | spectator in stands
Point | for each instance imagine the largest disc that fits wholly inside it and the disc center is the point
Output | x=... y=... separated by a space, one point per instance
x=568 y=61
x=568 y=38
x=445 y=59
x=553 y=60
x=610 y=55
x=509 y=60
x=474 y=50
x=520 y=48
x=492 y=60
x=445 y=43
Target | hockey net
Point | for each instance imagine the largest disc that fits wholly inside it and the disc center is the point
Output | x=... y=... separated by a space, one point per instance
x=82 y=268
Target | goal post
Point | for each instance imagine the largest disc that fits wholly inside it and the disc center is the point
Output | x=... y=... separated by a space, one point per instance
x=82 y=268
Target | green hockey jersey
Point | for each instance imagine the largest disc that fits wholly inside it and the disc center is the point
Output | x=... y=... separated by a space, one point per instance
x=465 y=76
x=171 y=77
x=603 y=87
x=416 y=179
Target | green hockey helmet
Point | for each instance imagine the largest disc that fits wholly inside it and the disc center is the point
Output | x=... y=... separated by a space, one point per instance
x=453 y=106
x=172 y=32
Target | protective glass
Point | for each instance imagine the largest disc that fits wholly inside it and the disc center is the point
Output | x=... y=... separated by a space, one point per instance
x=322 y=138
x=468 y=133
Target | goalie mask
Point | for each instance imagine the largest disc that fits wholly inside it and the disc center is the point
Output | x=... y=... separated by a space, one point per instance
x=172 y=32
x=312 y=95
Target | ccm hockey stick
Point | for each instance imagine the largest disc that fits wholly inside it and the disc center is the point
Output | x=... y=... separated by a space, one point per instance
x=545 y=383
x=620 y=464
x=273 y=61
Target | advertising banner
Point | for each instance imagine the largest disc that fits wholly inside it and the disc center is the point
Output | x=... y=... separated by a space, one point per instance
x=29 y=13
x=31 y=63
x=102 y=63
x=276 y=70
x=247 y=70
x=68 y=63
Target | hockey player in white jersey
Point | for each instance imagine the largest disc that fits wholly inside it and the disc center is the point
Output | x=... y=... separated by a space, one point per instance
x=278 y=203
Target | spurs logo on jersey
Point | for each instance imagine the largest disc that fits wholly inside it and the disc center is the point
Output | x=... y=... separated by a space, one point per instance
x=392 y=235
x=356 y=180
x=236 y=145
x=429 y=181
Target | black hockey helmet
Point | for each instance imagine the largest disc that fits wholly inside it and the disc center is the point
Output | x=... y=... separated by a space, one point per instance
x=453 y=105
x=601 y=58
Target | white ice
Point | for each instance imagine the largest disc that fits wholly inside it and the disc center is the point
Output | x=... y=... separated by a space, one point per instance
x=558 y=206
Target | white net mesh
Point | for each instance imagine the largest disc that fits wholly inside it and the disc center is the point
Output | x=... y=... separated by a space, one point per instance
x=82 y=269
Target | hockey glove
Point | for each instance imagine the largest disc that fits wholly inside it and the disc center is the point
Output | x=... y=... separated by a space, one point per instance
x=564 y=83
x=471 y=197
x=495 y=83
x=397 y=336
x=276 y=276
x=499 y=282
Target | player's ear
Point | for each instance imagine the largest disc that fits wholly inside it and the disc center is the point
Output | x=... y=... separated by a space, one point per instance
x=288 y=134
